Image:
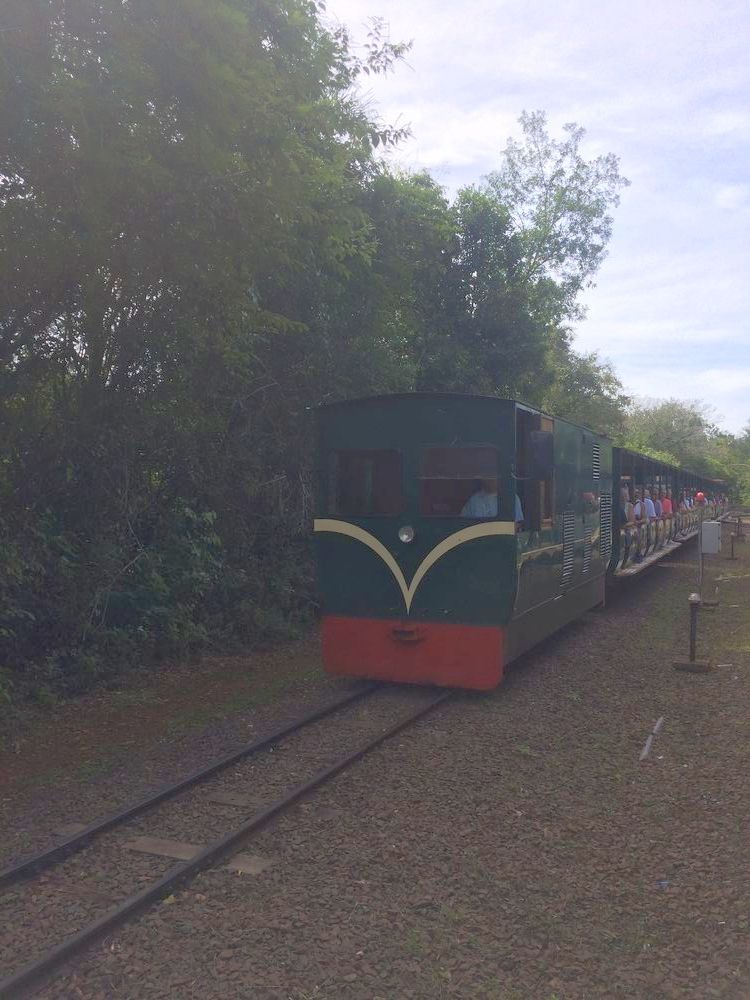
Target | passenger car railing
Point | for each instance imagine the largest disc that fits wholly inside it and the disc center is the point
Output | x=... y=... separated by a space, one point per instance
x=643 y=538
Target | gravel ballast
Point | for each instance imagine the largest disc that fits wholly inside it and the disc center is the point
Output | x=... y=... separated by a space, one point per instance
x=45 y=910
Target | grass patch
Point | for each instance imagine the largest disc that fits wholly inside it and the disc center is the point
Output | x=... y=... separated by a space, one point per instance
x=253 y=692
x=415 y=942
x=135 y=698
x=94 y=768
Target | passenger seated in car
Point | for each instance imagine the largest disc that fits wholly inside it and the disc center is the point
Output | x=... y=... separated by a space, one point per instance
x=638 y=509
x=626 y=507
x=648 y=503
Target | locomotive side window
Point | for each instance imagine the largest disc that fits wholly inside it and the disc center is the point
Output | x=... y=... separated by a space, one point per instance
x=365 y=482
x=460 y=482
x=535 y=469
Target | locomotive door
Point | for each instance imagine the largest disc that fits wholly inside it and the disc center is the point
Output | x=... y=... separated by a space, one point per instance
x=539 y=552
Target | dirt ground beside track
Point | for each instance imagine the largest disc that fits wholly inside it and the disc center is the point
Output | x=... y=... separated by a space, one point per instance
x=511 y=846
x=83 y=758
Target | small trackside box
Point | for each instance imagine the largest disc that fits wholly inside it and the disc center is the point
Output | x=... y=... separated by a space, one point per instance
x=711 y=537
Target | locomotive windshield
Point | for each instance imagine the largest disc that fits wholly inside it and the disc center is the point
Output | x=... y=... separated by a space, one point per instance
x=365 y=483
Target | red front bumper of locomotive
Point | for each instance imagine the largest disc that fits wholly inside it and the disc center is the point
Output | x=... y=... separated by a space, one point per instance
x=467 y=656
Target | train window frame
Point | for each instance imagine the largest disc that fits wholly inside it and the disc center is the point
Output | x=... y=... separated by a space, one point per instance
x=333 y=504
x=473 y=479
x=538 y=506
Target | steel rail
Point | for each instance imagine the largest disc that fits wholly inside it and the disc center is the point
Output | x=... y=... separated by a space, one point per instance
x=44 y=859
x=38 y=971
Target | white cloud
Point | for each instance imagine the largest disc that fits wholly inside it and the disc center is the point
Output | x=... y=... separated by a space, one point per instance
x=731 y=196
x=732 y=122
x=729 y=380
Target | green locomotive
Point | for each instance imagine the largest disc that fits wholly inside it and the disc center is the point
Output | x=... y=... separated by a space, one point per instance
x=454 y=532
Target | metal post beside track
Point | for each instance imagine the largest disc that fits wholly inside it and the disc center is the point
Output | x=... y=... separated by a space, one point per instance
x=692 y=665
x=693 y=626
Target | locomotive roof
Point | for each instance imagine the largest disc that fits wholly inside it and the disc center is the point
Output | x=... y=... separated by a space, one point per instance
x=456 y=395
x=676 y=468
x=384 y=397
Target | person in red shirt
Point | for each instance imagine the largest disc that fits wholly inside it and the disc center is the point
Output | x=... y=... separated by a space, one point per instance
x=666 y=503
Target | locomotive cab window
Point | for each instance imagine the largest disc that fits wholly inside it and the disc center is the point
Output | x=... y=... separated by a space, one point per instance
x=535 y=469
x=460 y=482
x=365 y=483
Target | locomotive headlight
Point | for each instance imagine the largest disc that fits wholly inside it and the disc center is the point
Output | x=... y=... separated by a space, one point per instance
x=406 y=534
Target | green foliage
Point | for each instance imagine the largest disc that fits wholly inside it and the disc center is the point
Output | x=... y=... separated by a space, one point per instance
x=492 y=342
x=587 y=391
x=682 y=429
x=171 y=159
x=732 y=457
x=172 y=172
x=94 y=602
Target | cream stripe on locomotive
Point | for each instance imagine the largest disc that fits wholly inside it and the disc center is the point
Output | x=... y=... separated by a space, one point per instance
x=409 y=590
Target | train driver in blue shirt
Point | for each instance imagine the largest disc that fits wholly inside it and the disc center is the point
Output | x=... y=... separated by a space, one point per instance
x=484 y=502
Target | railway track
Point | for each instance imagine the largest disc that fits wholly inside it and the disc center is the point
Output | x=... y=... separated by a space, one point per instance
x=94 y=880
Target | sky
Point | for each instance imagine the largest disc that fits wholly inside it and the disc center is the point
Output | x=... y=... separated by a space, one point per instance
x=664 y=85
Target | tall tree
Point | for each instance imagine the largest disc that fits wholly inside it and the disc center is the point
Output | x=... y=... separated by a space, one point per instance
x=490 y=339
x=527 y=242
x=559 y=205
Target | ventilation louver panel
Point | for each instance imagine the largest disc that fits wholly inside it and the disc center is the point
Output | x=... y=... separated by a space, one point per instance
x=605 y=526
x=587 y=552
x=569 y=523
x=596 y=462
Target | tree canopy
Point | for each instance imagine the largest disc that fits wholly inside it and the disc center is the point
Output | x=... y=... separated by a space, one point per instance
x=684 y=433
